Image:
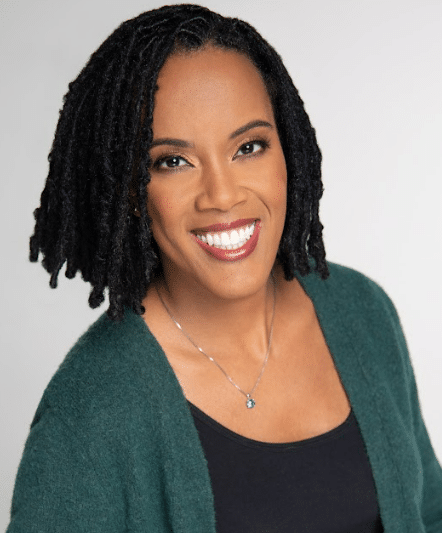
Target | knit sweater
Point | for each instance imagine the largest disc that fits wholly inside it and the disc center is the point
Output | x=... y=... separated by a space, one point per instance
x=113 y=447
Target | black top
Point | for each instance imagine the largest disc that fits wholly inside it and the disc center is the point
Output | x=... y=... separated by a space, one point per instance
x=319 y=485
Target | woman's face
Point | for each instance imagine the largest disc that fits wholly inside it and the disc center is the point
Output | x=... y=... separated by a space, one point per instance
x=217 y=196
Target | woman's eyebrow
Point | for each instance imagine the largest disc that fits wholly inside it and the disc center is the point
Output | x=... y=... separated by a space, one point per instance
x=249 y=126
x=171 y=142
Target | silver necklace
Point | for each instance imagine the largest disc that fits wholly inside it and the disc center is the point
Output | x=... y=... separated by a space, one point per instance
x=250 y=402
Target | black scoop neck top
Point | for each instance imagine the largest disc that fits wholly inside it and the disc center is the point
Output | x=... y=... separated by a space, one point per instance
x=322 y=484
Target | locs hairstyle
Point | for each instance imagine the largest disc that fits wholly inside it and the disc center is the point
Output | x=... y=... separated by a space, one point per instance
x=99 y=161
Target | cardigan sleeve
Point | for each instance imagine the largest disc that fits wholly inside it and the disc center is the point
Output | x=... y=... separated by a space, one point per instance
x=57 y=487
x=432 y=473
x=431 y=503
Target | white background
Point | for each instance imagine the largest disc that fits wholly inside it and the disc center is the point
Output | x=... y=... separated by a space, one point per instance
x=369 y=72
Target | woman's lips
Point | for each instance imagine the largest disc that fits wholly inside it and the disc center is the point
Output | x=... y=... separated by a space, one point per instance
x=224 y=226
x=251 y=230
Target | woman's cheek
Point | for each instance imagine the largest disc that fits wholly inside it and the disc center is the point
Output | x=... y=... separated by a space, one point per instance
x=280 y=188
x=160 y=206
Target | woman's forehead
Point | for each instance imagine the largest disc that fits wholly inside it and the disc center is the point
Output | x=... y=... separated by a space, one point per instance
x=211 y=86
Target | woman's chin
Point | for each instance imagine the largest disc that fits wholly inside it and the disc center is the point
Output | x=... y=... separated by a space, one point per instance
x=224 y=284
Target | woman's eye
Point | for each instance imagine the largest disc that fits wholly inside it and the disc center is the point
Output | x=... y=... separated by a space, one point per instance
x=251 y=148
x=171 y=162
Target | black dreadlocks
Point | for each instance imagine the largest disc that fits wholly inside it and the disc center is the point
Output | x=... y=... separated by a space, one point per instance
x=99 y=161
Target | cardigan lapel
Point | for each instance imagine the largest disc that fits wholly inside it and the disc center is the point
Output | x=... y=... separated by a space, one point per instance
x=353 y=351
x=187 y=485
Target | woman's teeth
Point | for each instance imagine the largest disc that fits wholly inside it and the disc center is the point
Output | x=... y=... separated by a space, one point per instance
x=229 y=240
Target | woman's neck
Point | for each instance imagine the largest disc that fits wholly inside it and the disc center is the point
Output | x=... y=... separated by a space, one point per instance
x=221 y=324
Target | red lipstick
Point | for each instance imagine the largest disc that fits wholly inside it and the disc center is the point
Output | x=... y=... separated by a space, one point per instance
x=231 y=255
x=224 y=226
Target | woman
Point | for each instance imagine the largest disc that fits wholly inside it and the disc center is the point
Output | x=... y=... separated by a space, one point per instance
x=238 y=382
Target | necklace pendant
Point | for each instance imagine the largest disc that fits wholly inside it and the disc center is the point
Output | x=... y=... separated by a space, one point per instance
x=250 y=403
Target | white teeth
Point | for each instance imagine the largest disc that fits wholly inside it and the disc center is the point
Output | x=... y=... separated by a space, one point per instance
x=229 y=240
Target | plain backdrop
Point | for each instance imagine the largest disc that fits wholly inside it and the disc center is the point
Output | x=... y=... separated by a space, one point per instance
x=369 y=72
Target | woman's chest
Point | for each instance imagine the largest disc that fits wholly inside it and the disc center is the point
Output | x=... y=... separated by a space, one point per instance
x=299 y=394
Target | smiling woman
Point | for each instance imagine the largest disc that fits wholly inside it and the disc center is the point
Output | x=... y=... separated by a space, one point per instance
x=238 y=381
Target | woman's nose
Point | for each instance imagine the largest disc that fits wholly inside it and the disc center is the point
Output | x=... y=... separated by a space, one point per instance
x=221 y=189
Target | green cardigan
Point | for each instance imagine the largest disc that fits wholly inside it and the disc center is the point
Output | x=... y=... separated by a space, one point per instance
x=113 y=447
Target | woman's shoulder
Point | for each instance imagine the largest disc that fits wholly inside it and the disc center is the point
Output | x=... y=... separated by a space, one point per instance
x=349 y=279
x=351 y=305
x=351 y=290
x=107 y=371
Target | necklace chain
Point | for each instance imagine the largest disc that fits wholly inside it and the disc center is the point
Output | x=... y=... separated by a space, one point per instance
x=250 y=403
